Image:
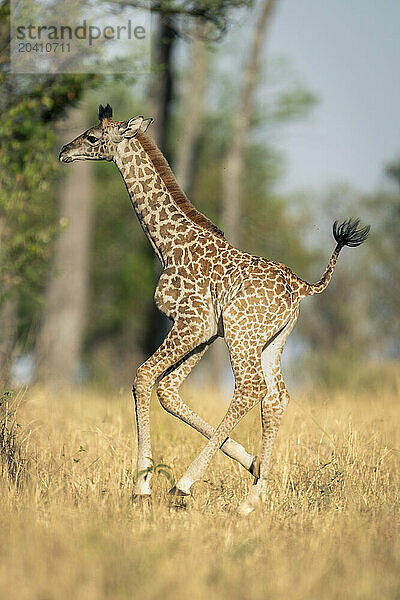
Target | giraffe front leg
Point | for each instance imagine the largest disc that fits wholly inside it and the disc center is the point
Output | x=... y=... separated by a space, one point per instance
x=239 y=407
x=179 y=343
x=141 y=390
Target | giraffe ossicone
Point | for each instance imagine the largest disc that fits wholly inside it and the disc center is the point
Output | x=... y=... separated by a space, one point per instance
x=205 y=282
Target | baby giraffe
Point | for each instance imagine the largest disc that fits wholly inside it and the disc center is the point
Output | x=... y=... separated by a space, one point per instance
x=208 y=289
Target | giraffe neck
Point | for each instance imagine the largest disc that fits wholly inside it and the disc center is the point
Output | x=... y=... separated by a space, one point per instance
x=163 y=210
x=157 y=212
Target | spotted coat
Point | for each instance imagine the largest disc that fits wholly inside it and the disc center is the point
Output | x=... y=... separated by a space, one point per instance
x=208 y=288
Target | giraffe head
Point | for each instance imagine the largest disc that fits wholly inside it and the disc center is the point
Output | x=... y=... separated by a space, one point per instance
x=101 y=142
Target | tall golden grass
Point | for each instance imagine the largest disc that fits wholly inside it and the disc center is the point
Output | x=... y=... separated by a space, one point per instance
x=329 y=528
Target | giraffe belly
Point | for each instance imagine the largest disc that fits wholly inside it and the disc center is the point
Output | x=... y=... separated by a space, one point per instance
x=182 y=299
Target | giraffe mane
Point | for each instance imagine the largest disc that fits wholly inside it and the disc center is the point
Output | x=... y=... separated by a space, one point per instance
x=165 y=172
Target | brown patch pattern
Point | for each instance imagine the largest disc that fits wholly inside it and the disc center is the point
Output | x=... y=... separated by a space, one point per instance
x=208 y=288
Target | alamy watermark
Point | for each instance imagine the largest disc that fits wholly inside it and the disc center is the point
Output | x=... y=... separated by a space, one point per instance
x=78 y=36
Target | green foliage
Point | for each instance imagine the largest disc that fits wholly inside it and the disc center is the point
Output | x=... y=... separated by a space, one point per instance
x=157 y=469
x=26 y=173
x=28 y=160
x=30 y=106
x=384 y=268
x=215 y=12
x=292 y=104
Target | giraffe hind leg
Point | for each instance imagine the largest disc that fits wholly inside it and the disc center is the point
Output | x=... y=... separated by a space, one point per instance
x=167 y=391
x=250 y=388
x=258 y=322
x=273 y=407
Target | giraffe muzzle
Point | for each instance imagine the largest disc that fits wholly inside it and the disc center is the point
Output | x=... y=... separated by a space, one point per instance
x=63 y=156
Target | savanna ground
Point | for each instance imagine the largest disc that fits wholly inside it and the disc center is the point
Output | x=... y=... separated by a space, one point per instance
x=329 y=529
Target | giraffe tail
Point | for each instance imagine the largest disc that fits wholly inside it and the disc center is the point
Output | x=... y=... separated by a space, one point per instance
x=347 y=233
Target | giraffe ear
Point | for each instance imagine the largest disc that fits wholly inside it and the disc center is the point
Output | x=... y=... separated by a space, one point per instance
x=129 y=129
x=145 y=125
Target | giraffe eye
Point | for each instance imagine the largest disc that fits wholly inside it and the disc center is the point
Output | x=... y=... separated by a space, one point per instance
x=92 y=139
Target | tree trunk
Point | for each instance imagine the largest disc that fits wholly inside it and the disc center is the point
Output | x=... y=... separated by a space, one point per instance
x=193 y=108
x=162 y=87
x=241 y=120
x=60 y=338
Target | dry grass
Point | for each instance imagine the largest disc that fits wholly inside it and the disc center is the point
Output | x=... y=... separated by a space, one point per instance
x=329 y=529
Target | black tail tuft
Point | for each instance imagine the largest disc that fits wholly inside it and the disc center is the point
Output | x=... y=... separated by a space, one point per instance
x=347 y=234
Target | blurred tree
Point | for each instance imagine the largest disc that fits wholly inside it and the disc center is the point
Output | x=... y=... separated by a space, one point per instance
x=60 y=339
x=163 y=96
x=216 y=12
x=240 y=126
x=162 y=88
x=27 y=172
x=174 y=19
x=29 y=107
x=192 y=107
x=384 y=207
x=393 y=171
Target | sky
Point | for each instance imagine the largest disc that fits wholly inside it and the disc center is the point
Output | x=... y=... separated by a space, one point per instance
x=348 y=53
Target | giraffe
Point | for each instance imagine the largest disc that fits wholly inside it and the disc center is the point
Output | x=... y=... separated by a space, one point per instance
x=208 y=289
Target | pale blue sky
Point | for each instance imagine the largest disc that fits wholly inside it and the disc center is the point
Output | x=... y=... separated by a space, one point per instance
x=348 y=53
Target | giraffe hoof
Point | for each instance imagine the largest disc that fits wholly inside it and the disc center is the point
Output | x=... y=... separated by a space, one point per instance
x=255 y=468
x=177 y=492
x=177 y=498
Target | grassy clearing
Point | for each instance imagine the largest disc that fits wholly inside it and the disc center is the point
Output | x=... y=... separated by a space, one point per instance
x=330 y=528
